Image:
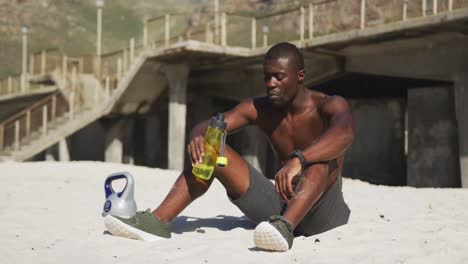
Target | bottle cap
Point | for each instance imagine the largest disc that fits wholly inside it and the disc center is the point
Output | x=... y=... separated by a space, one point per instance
x=221 y=161
x=218 y=122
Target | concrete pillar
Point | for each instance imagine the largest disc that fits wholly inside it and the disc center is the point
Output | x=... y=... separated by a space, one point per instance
x=177 y=76
x=63 y=153
x=51 y=153
x=461 y=97
x=432 y=138
x=114 y=142
x=128 y=142
x=377 y=153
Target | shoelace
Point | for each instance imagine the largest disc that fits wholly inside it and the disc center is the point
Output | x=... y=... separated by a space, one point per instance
x=147 y=211
x=279 y=218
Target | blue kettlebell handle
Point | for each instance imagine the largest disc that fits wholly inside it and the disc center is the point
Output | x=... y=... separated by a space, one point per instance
x=108 y=187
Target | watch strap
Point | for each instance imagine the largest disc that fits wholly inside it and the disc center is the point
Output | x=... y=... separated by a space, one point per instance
x=297 y=153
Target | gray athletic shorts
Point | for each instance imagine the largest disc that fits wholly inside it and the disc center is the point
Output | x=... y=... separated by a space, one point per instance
x=261 y=201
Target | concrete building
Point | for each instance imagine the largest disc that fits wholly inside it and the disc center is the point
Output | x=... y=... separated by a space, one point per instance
x=406 y=82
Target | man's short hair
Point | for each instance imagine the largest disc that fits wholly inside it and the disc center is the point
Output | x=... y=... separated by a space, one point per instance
x=286 y=50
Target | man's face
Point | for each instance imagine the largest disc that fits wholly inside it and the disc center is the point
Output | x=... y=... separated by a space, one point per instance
x=281 y=80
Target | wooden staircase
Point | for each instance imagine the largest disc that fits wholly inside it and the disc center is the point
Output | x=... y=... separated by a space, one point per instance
x=79 y=100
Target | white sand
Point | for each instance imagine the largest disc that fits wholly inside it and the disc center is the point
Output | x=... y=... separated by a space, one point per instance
x=51 y=213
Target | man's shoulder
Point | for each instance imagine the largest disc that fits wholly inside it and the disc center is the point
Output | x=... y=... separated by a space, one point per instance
x=329 y=102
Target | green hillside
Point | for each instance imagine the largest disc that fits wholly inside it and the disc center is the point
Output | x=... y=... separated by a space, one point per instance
x=70 y=25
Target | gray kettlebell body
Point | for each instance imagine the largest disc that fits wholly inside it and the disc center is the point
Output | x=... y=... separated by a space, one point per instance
x=122 y=203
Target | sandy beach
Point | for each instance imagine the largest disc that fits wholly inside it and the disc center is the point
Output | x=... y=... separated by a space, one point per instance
x=51 y=213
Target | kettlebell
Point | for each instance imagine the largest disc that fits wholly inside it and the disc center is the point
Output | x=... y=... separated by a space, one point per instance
x=120 y=203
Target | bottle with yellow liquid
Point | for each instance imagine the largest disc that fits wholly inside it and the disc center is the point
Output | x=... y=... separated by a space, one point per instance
x=214 y=138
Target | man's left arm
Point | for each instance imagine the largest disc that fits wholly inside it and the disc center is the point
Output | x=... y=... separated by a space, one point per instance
x=333 y=143
x=339 y=135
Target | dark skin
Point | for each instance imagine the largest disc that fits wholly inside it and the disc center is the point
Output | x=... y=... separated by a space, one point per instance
x=293 y=117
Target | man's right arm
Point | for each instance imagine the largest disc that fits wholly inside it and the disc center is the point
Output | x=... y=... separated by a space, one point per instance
x=236 y=118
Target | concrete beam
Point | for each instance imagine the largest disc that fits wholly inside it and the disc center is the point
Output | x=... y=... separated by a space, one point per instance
x=424 y=60
x=177 y=76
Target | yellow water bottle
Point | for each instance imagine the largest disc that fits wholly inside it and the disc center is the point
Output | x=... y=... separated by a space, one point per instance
x=214 y=138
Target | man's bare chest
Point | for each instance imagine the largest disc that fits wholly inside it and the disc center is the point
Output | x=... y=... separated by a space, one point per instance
x=290 y=132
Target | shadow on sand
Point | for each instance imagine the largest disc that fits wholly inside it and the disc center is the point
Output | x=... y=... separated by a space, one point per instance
x=184 y=224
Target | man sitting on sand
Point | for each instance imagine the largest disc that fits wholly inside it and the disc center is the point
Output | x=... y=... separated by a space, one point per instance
x=310 y=132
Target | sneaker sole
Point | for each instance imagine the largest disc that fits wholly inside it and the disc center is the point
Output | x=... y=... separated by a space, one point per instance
x=268 y=237
x=119 y=228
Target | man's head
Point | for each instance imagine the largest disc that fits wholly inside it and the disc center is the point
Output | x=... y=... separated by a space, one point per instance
x=283 y=72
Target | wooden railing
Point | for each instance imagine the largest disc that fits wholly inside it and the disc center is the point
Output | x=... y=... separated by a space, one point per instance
x=19 y=127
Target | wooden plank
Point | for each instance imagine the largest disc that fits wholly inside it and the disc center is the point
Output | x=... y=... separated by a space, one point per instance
x=254 y=33
x=17 y=134
x=2 y=136
x=28 y=124
x=44 y=120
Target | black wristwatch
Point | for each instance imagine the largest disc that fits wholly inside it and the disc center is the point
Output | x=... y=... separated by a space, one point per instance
x=297 y=153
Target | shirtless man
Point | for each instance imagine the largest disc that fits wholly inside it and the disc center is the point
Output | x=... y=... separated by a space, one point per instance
x=310 y=132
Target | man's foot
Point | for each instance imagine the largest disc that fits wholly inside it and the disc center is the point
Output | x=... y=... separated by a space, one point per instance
x=275 y=234
x=142 y=226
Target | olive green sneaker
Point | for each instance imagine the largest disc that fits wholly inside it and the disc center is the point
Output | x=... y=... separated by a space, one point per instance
x=275 y=234
x=142 y=226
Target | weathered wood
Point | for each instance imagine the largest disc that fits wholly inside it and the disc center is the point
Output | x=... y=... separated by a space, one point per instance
x=125 y=61
x=71 y=103
x=424 y=7
x=223 y=29
x=96 y=94
x=405 y=10
x=254 y=33
x=311 y=21
x=167 y=28
x=30 y=108
x=31 y=64
x=132 y=50
x=17 y=134
x=64 y=69
x=10 y=84
x=265 y=36
x=107 y=87
x=302 y=23
x=53 y=111
x=43 y=61
x=216 y=21
x=208 y=33
x=81 y=65
x=363 y=14
x=2 y=136
x=28 y=124
x=44 y=120
x=74 y=79
x=145 y=33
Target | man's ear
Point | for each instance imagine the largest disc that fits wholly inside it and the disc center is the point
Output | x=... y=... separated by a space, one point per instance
x=301 y=76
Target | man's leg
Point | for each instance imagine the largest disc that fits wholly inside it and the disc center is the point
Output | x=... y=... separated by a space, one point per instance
x=187 y=188
x=277 y=233
x=154 y=226
x=314 y=183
